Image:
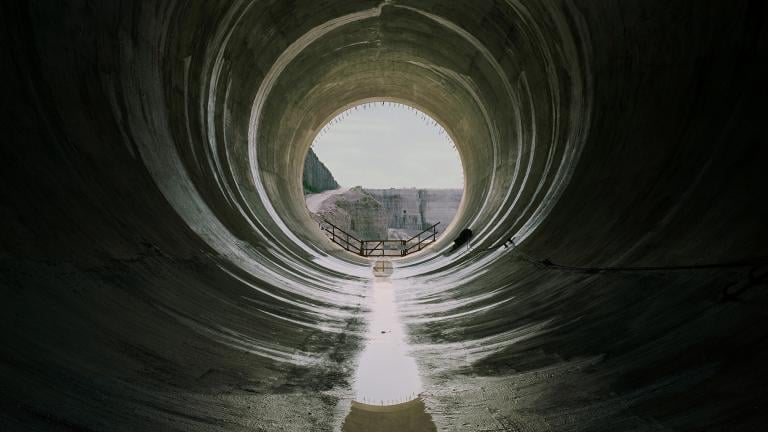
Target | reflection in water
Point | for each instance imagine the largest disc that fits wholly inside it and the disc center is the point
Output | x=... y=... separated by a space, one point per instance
x=386 y=374
x=387 y=381
x=405 y=417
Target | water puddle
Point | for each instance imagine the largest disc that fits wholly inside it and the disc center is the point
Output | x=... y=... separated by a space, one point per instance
x=405 y=417
x=387 y=382
x=386 y=374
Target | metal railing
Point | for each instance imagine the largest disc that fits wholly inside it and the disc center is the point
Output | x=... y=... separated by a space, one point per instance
x=384 y=247
x=342 y=238
x=422 y=243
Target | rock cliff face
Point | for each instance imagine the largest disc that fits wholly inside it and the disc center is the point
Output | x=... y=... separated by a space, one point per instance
x=357 y=213
x=412 y=210
x=390 y=213
x=317 y=178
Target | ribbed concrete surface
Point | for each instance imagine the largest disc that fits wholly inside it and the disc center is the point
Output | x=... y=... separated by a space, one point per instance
x=160 y=272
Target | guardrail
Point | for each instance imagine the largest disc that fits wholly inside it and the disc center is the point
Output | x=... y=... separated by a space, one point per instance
x=342 y=238
x=384 y=247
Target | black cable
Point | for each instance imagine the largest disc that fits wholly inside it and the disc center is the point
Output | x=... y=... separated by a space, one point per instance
x=755 y=277
x=548 y=263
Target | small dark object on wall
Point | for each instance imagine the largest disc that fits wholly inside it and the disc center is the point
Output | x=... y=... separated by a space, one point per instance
x=463 y=237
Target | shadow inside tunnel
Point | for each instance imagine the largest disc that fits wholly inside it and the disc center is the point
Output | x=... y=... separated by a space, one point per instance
x=409 y=416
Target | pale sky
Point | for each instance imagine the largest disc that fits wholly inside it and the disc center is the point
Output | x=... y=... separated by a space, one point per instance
x=381 y=146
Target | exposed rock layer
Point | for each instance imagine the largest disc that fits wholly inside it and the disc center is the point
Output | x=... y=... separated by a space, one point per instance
x=316 y=177
x=357 y=213
x=416 y=209
x=390 y=213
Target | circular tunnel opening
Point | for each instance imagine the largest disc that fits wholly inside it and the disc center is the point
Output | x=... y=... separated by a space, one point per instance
x=383 y=179
x=518 y=128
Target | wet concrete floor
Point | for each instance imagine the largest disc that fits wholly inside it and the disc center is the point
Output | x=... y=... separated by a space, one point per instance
x=387 y=382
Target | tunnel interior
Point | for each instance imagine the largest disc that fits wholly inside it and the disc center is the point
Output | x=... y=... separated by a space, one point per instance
x=159 y=270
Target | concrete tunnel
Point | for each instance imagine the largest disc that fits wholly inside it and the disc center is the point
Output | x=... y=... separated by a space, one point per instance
x=160 y=271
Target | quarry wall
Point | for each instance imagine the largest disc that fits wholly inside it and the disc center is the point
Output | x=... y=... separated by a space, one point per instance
x=317 y=178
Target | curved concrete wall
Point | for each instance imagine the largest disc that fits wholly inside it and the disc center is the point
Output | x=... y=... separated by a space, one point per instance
x=160 y=271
